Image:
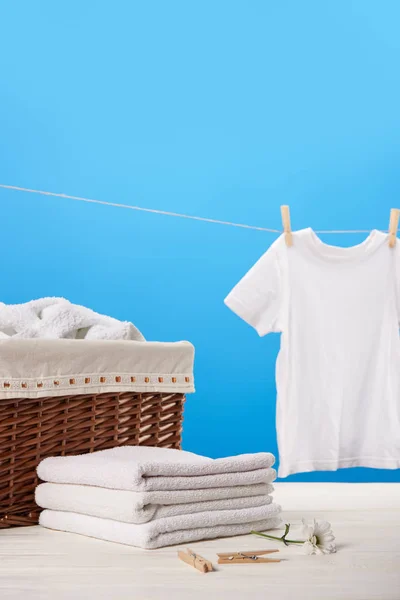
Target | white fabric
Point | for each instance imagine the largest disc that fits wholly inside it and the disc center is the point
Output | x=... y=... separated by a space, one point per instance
x=142 y=468
x=148 y=500
x=169 y=530
x=136 y=507
x=37 y=368
x=338 y=375
x=58 y=318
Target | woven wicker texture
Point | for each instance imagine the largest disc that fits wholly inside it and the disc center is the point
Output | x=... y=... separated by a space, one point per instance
x=33 y=429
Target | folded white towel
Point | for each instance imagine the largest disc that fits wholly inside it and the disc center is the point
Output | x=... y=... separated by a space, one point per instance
x=142 y=468
x=169 y=530
x=58 y=318
x=130 y=507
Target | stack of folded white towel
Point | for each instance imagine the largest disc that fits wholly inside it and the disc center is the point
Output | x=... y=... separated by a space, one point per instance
x=154 y=497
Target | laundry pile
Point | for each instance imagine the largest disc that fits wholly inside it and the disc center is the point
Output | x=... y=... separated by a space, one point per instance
x=55 y=318
x=153 y=497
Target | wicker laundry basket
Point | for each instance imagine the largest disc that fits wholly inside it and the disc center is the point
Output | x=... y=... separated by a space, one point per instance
x=33 y=429
x=138 y=401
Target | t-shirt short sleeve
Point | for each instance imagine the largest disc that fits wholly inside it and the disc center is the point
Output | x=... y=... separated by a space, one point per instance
x=258 y=297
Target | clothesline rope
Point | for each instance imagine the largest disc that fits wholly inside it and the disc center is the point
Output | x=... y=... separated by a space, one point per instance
x=165 y=212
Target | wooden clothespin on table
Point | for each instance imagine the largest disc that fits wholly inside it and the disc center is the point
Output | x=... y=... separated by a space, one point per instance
x=285 y=212
x=393 y=226
x=195 y=560
x=247 y=557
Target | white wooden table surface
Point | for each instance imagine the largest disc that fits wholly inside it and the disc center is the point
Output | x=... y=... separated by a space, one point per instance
x=36 y=563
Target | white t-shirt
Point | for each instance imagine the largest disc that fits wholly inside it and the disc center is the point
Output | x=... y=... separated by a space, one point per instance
x=338 y=369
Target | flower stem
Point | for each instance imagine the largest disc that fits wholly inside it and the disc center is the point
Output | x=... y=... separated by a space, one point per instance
x=279 y=539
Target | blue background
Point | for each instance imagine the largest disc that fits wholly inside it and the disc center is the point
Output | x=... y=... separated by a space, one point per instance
x=219 y=108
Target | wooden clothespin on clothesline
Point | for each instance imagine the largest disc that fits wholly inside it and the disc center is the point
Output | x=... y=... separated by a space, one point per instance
x=195 y=560
x=285 y=212
x=247 y=557
x=393 y=226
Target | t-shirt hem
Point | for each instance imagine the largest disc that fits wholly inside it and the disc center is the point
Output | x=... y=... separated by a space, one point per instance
x=306 y=466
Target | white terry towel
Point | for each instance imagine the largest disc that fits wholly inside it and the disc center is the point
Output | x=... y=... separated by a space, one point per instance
x=143 y=468
x=59 y=318
x=169 y=530
x=137 y=507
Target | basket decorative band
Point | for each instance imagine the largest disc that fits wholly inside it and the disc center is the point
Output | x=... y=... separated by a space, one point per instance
x=180 y=382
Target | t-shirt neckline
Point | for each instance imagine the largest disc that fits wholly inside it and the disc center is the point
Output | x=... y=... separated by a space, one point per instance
x=339 y=254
